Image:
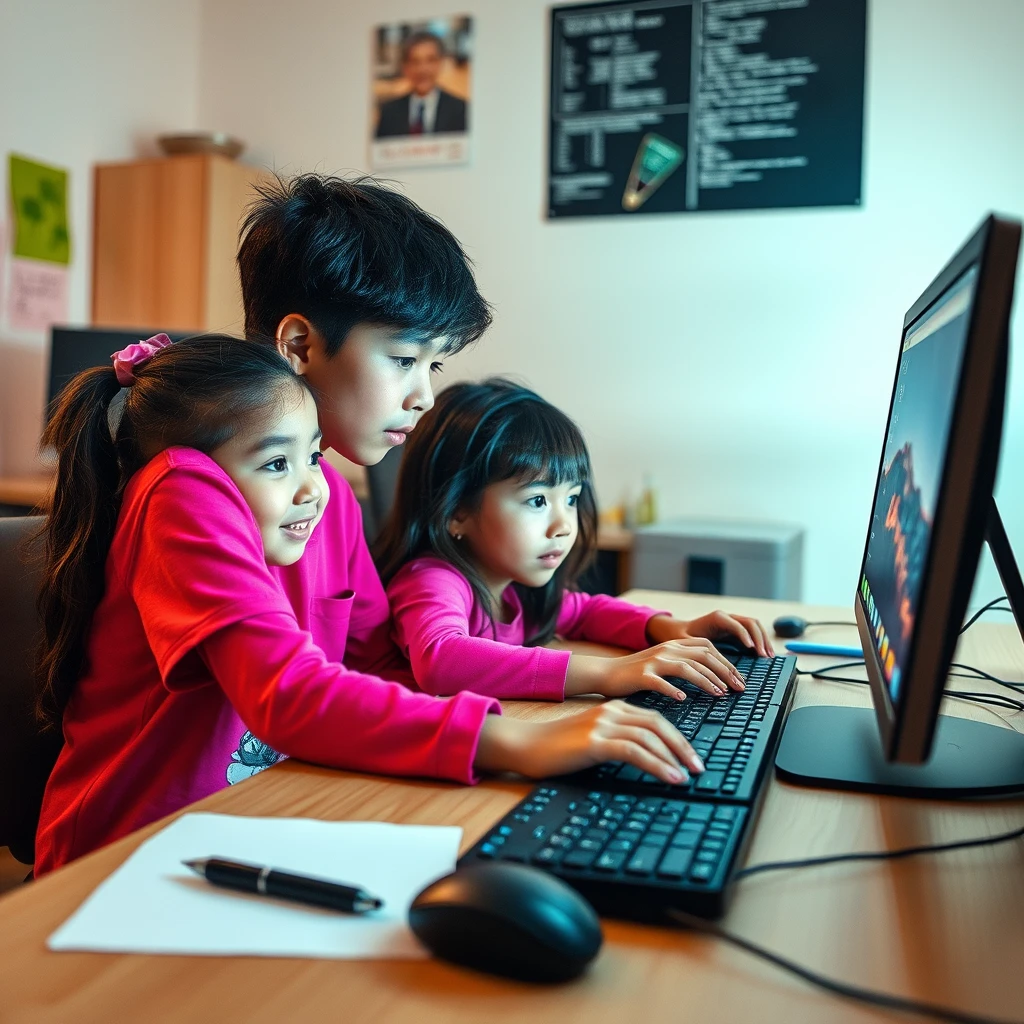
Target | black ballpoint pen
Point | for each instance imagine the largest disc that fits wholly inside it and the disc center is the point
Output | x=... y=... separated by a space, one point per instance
x=284 y=885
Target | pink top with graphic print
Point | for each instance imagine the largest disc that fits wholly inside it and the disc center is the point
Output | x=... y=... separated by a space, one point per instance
x=198 y=648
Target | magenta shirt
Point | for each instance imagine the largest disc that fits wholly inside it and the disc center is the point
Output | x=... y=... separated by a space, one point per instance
x=205 y=666
x=449 y=639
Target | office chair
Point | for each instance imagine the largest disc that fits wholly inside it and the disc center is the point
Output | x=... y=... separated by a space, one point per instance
x=27 y=755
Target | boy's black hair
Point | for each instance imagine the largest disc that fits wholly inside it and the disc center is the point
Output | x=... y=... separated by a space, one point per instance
x=347 y=251
x=476 y=435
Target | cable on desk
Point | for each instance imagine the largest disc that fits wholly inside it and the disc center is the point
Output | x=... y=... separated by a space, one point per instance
x=985 y=608
x=904 y=852
x=995 y=699
x=840 y=988
x=976 y=673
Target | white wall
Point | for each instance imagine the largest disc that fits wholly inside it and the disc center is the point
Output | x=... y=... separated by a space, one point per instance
x=744 y=359
x=82 y=82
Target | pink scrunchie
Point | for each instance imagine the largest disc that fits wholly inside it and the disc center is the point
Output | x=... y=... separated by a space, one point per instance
x=128 y=358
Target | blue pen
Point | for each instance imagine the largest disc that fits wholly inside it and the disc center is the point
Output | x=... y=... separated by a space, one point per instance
x=801 y=647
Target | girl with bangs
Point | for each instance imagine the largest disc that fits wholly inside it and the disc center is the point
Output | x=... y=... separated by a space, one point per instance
x=493 y=522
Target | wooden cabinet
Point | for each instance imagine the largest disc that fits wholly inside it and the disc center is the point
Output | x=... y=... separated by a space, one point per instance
x=165 y=233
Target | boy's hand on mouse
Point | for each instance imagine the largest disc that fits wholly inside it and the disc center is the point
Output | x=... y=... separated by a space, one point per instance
x=692 y=659
x=717 y=625
x=615 y=731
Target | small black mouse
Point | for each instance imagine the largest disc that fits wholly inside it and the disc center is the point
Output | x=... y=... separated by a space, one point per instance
x=789 y=626
x=508 y=919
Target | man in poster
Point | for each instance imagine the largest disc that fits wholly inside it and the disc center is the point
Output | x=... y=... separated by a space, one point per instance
x=427 y=109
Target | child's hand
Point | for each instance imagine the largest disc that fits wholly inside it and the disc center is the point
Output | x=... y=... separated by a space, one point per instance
x=609 y=732
x=694 y=659
x=715 y=625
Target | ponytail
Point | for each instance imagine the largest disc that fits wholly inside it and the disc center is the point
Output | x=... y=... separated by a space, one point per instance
x=195 y=393
x=78 y=532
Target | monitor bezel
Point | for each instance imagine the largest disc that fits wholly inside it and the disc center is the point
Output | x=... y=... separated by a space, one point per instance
x=907 y=728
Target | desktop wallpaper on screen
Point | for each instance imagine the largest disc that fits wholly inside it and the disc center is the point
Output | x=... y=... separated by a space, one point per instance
x=912 y=464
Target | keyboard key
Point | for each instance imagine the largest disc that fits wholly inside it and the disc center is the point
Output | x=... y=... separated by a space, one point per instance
x=644 y=861
x=699 y=812
x=689 y=840
x=579 y=858
x=548 y=856
x=710 y=781
x=675 y=863
x=610 y=861
x=708 y=734
x=702 y=873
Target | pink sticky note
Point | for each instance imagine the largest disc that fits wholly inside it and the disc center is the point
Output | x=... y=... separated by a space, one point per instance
x=37 y=296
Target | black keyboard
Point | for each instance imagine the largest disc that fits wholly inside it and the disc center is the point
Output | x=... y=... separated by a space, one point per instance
x=736 y=735
x=630 y=856
x=634 y=845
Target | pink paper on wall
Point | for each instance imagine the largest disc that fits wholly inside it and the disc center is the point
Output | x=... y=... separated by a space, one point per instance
x=3 y=265
x=37 y=297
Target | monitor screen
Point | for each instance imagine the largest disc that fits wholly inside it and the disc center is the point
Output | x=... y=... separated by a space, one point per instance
x=73 y=349
x=913 y=462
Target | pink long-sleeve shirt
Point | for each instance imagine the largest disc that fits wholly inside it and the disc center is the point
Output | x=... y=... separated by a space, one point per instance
x=205 y=666
x=452 y=646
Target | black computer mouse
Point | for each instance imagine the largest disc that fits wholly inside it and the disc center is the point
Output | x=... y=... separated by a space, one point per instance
x=508 y=919
x=789 y=626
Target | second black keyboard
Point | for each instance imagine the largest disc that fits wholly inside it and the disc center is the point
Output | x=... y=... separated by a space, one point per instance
x=736 y=735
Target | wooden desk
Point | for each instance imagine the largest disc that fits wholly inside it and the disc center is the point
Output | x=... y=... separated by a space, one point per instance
x=948 y=928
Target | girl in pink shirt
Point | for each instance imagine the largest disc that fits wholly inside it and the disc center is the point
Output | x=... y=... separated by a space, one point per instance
x=207 y=609
x=494 y=519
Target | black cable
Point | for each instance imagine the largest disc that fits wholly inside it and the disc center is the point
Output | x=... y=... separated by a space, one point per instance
x=984 y=608
x=906 y=851
x=980 y=673
x=841 y=988
x=809 y=624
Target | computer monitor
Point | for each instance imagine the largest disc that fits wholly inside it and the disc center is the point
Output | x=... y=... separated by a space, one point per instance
x=931 y=511
x=73 y=349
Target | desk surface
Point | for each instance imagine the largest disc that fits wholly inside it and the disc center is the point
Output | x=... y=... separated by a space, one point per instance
x=947 y=929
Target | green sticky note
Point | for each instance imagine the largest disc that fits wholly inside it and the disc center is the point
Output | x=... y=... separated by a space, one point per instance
x=39 y=196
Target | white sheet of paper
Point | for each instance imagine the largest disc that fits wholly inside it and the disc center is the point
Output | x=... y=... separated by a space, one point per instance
x=154 y=904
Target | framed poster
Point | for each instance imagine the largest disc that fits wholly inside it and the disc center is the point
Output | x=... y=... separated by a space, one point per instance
x=422 y=93
x=679 y=106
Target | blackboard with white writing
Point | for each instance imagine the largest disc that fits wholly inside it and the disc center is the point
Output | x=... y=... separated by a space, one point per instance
x=676 y=106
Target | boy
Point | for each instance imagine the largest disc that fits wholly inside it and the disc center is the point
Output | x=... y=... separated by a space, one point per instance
x=351 y=279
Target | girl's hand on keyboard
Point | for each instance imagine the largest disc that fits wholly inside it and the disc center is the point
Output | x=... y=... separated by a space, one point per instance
x=615 y=731
x=717 y=625
x=694 y=660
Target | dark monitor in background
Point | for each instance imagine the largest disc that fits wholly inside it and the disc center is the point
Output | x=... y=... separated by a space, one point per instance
x=931 y=511
x=73 y=349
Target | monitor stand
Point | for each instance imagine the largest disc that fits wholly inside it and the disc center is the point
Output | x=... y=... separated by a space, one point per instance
x=840 y=747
